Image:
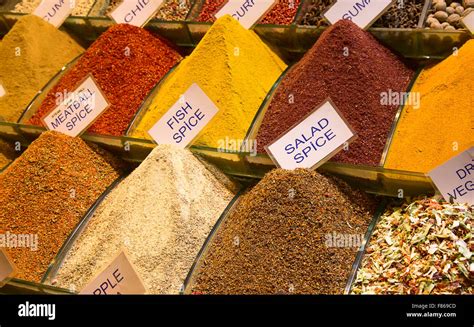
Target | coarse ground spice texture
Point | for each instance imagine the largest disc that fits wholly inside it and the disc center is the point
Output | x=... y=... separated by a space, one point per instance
x=45 y=193
x=278 y=239
x=443 y=125
x=127 y=62
x=173 y=10
x=161 y=214
x=234 y=68
x=349 y=66
x=31 y=53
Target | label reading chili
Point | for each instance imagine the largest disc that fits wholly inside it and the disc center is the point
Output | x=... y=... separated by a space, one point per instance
x=361 y=12
x=185 y=119
x=55 y=12
x=247 y=12
x=313 y=140
x=7 y=268
x=79 y=110
x=468 y=21
x=135 y=12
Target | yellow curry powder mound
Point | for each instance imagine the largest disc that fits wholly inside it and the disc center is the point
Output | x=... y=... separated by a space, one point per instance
x=234 y=68
x=442 y=126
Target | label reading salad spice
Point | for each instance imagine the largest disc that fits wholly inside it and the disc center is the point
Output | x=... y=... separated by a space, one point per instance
x=185 y=119
x=312 y=141
x=135 y=12
x=468 y=21
x=247 y=12
x=79 y=110
x=361 y=12
x=7 y=268
x=119 y=277
x=55 y=11
x=455 y=178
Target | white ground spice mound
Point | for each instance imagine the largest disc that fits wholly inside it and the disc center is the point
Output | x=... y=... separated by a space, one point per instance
x=28 y=6
x=161 y=214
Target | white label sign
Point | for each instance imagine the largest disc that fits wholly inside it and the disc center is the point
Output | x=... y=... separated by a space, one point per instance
x=2 y=91
x=55 y=11
x=468 y=21
x=7 y=269
x=80 y=109
x=312 y=141
x=185 y=119
x=455 y=178
x=135 y=12
x=247 y=12
x=119 y=277
x=361 y=12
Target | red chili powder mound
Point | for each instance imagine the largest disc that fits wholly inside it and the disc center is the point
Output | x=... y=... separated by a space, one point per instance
x=283 y=13
x=127 y=62
x=351 y=67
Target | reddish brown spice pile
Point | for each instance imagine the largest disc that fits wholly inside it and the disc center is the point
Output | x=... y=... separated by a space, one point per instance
x=352 y=68
x=127 y=62
x=283 y=13
x=46 y=191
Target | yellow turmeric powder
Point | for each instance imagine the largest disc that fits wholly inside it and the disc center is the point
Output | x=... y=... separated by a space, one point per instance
x=443 y=125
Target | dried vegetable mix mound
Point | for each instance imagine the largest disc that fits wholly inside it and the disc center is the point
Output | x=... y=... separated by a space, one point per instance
x=425 y=247
x=127 y=62
x=278 y=237
x=173 y=10
x=348 y=65
x=31 y=53
x=46 y=191
x=161 y=214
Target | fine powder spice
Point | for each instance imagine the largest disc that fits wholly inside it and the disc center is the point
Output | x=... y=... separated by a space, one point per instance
x=161 y=214
x=282 y=238
x=424 y=247
x=349 y=66
x=172 y=10
x=443 y=125
x=127 y=62
x=81 y=7
x=31 y=53
x=46 y=191
x=234 y=68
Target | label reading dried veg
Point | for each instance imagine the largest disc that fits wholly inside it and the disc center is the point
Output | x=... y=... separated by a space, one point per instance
x=135 y=12
x=312 y=141
x=78 y=110
x=247 y=12
x=119 y=277
x=361 y=12
x=55 y=11
x=455 y=178
x=7 y=268
x=185 y=119
x=468 y=22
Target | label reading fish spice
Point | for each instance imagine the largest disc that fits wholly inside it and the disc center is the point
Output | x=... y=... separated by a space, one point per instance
x=78 y=110
x=185 y=119
x=312 y=141
x=247 y=12
x=136 y=12
x=7 y=268
x=361 y=12
x=468 y=21
x=119 y=277
x=455 y=178
x=55 y=11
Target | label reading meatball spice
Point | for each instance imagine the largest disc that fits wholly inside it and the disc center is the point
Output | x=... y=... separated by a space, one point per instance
x=136 y=12
x=185 y=119
x=119 y=277
x=247 y=12
x=79 y=110
x=455 y=178
x=55 y=12
x=361 y=12
x=7 y=268
x=313 y=140
x=468 y=21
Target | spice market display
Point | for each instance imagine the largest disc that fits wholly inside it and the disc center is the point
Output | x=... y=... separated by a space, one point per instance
x=162 y=147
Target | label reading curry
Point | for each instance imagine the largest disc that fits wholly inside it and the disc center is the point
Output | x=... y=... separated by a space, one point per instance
x=55 y=12
x=135 y=12
x=247 y=12
x=361 y=12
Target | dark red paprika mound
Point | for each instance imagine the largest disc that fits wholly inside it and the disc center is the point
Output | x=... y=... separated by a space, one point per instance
x=352 y=68
x=127 y=62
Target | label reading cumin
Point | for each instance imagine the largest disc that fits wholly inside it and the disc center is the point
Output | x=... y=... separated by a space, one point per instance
x=247 y=12
x=361 y=12
x=135 y=12
x=78 y=110
x=7 y=268
x=468 y=22
x=55 y=12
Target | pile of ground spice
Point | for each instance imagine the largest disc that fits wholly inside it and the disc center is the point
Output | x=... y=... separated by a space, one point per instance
x=81 y=7
x=46 y=191
x=171 y=10
x=31 y=53
x=443 y=125
x=234 y=68
x=283 y=237
x=161 y=214
x=127 y=62
x=283 y=13
x=351 y=67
